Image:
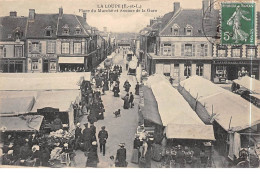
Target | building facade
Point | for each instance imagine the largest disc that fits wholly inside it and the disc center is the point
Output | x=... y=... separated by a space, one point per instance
x=184 y=42
x=49 y=43
x=12 y=44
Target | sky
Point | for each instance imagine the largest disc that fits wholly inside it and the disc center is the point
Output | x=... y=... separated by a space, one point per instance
x=114 y=21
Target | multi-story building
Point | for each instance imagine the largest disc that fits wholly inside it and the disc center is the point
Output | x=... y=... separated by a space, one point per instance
x=230 y=62
x=184 y=42
x=58 y=42
x=181 y=48
x=48 y=43
x=12 y=43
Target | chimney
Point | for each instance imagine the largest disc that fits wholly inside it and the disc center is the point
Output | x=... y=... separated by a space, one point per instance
x=152 y=21
x=205 y=6
x=31 y=14
x=13 y=13
x=176 y=6
x=60 y=12
x=85 y=16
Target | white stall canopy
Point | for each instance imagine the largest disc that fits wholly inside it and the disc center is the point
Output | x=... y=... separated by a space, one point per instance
x=229 y=110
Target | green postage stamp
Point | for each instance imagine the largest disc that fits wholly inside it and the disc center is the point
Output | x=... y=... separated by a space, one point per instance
x=238 y=23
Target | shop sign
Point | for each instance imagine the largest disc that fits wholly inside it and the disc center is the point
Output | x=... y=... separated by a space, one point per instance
x=44 y=56
x=232 y=62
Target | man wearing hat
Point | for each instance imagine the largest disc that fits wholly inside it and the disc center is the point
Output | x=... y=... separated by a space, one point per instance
x=102 y=136
x=121 y=156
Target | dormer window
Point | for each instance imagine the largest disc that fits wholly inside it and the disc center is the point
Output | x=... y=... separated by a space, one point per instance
x=175 y=29
x=65 y=30
x=77 y=30
x=48 y=31
x=17 y=33
x=188 y=30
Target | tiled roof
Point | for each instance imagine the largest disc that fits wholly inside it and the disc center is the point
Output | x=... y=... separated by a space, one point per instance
x=36 y=29
x=72 y=21
x=193 y=18
x=9 y=24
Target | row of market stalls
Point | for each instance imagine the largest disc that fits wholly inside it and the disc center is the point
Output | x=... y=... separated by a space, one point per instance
x=37 y=99
x=165 y=111
x=235 y=120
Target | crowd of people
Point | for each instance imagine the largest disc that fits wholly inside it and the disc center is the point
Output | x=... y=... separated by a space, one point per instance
x=35 y=149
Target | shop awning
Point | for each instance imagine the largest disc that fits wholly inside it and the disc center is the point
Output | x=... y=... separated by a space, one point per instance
x=72 y=60
x=21 y=123
x=189 y=131
x=150 y=109
x=15 y=106
x=249 y=83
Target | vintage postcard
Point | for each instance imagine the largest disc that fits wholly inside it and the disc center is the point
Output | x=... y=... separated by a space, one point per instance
x=130 y=83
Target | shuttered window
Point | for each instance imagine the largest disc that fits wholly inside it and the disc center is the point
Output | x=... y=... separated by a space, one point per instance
x=51 y=47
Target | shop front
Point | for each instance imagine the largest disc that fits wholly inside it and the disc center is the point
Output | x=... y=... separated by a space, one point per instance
x=71 y=64
x=42 y=63
x=223 y=70
x=12 y=65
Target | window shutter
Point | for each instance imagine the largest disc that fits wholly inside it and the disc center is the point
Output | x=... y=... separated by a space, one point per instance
x=4 y=52
x=198 y=50
x=182 y=49
x=54 y=49
x=173 y=49
x=40 y=47
x=193 y=50
x=30 y=47
x=161 y=49
x=206 y=50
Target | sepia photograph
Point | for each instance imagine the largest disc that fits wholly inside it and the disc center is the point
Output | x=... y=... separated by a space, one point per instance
x=129 y=84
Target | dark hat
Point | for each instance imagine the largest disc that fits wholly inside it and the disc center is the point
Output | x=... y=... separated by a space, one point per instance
x=103 y=127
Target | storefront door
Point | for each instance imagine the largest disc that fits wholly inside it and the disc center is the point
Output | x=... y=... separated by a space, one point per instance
x=45 y=66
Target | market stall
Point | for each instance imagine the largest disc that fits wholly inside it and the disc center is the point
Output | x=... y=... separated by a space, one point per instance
x=57 y=103
x=22 y=125
x=235 y=120
x=163 y=108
